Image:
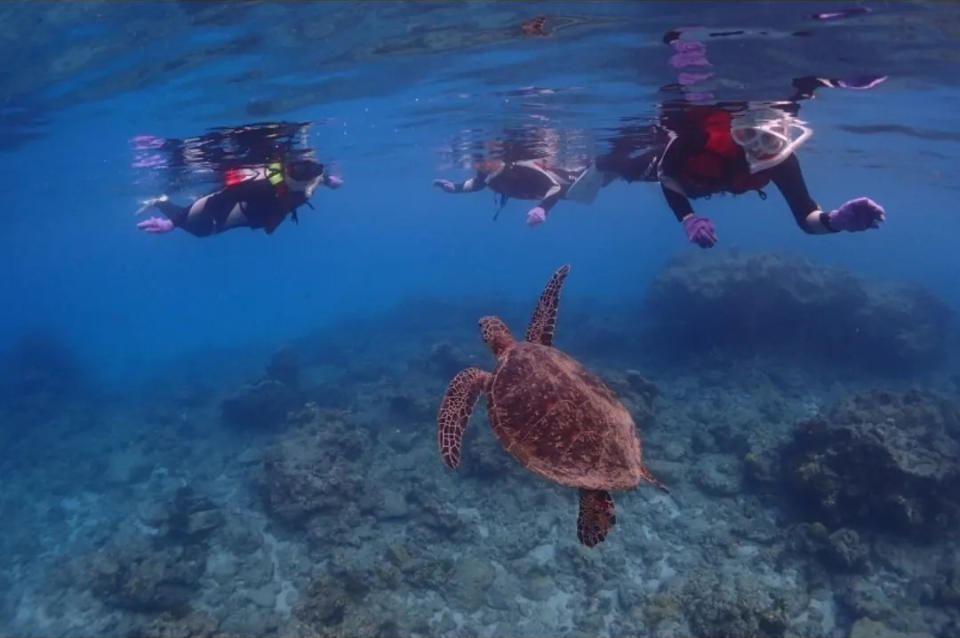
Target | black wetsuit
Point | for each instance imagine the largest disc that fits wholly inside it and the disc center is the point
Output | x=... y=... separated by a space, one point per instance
x=253 y=203
x=523 y=180
x=659 y=154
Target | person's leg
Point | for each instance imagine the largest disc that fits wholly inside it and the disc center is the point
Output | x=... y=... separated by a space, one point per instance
x=175 y=215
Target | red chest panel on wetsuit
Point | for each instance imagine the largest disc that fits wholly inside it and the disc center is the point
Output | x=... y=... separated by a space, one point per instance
x=720 y=166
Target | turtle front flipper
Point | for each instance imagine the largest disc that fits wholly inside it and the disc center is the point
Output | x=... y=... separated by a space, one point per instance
x=458 y=402
x=544 y=319
x=596 y=516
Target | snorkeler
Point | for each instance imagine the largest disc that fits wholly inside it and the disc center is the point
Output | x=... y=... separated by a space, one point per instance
x=260 y=197
x=710 y=150
x=698 y=150
x=524 y=179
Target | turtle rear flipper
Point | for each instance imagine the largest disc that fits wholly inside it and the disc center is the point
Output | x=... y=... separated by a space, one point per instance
x=544 y=319
x=458 y=402
x=596 y=516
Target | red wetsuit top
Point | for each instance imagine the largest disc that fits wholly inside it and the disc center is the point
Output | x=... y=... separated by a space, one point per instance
x=703 y=159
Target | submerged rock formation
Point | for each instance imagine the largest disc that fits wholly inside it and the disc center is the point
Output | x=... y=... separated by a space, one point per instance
x=266 y=402
x=161 y=571
x=284 y=366
x=147 y=579
x=880 y=461
x=767 y=303
x=259 y=405
x=316 y=468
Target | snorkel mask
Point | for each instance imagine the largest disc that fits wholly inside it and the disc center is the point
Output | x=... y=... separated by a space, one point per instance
x=768 y=136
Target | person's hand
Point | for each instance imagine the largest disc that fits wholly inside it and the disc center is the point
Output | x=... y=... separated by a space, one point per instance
x=334 y=181
x=857 y=214
x=536 y=216
x=445 y=185
x=700 y=231
x=156 y=225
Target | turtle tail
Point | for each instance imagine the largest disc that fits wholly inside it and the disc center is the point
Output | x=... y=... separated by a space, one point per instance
x=596 y=516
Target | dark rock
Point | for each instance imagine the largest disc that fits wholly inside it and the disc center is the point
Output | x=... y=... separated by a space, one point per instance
x=839 y=551
x=947 y=590
x=730 y=440
x=879 y=461
x=284 y=366
x=203 y=522
x=190 y=518
x=146 y=579
x=719 y=609
x=196 y=624
x=846 y=550
x=323 y=604
x=762 y=467
x=782 y=305
x=262 y=405
x=315 y=468
x=864 y=597
x=40 y=366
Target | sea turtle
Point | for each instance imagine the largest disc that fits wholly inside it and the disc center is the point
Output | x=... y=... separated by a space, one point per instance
x=552 y=414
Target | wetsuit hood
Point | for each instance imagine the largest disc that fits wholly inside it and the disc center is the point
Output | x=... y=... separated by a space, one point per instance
x=303 y=176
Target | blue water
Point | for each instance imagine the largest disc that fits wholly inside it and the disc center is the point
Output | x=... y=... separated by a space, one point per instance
x=393 y=90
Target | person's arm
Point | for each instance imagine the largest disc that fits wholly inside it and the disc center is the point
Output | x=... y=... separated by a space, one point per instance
x=538 y=214
x=676 y=200
x=551 y=198
x=332 y=181
x=789 y=180
x=855 y=215
x=476 y=183
x=679 y=148
x=699 y=230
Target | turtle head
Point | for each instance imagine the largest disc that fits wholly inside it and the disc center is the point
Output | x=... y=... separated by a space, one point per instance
x=495 y=334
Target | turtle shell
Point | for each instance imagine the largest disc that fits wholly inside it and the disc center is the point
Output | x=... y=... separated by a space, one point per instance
x=561 y=421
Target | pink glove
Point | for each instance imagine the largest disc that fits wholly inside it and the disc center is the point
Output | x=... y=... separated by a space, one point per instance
x=536 y=216
x=333 y=181
x=445 y=185
x=700 y=231
x=156 y=225
x=857 y=214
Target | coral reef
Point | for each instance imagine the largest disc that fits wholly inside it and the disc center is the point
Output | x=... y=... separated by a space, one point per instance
x=767 y=303
x=880 y=460
x=159 y=571
x=338 y=518
x=730 y=610
x=315 y=468
x=284 y=366
x=146 y=578
x=263 y=404
x=40 y=364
